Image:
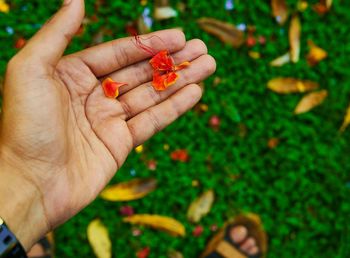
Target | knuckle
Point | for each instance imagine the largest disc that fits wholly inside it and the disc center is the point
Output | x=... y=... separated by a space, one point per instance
x=210 y=67
x=154 y=120
x=121 y=55
x=200 y=46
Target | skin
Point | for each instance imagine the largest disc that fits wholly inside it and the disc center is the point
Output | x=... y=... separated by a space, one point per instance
x=61 y=139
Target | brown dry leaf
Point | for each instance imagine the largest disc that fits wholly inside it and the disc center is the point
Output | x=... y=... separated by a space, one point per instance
x=99 y=239
x=346 y=122
x=310 y=101
x=131 y=190
x=281 y=60
x=200 y=206
x=167 y=224
x=316 y=54
x=294 y=39
x=291 y=85
x=226 y=32
x=323 y=6
x=279 y=10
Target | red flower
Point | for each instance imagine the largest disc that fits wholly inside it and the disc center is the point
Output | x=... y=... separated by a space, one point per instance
x=143 y=253
x=251 y=41
x=164 y=68
x=180 y=155
x=198 y=230
x=164 y=74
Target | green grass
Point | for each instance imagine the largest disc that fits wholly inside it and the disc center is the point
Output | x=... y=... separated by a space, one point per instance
x=299 y=188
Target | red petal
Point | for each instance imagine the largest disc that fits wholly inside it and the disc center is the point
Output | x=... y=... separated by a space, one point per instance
x=162 y=61
x=158 y=80
x=182 y=66
x=171 y=79
x=111 y=88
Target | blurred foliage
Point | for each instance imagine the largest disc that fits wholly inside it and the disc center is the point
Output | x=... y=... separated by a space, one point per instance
x=300 y=188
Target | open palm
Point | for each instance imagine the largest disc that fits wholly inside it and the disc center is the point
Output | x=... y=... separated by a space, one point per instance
x=63 y=136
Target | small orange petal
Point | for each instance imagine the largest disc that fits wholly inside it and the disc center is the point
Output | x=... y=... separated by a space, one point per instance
x=111 y=88
x=158 y=81
x=182 y=66
x=171 y=79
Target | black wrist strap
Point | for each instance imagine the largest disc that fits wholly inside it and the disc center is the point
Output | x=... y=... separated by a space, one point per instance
x=9 y=245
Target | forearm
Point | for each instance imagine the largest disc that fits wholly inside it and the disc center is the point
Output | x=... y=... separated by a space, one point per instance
x=21 y=206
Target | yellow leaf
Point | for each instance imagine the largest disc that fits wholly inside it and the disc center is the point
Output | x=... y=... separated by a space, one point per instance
x=99 y=239
x=226 y=32
x=200 y=206
x=291 y=85
x=279 y=10
x=316 y=54
x=4 y=7
x=279 y=61
x=167 y=224
x=346 y=122
x=310 y=101
x=128 y=191
x=294 y=39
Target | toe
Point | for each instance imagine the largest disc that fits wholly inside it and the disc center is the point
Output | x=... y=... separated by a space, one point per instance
x=238 y=234
x=253 y=251
x=248 y=244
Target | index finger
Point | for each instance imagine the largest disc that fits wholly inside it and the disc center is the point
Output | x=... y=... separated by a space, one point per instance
x=116 y=54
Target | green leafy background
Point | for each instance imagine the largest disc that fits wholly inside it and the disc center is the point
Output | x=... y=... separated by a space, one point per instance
x=300 y=188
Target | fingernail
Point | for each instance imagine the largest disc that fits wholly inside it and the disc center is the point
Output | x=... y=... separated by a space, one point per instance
x=65 y=2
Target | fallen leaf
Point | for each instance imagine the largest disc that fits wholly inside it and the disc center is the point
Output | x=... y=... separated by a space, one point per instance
x=323 y=6
x=200 y=206
x=281 y=60
x=163 y=10
x=302 y=5
x=294 y=39
x=291 y=85
x=167 y=224
x=346 y=122
x=130 y=190
x=316 y=54
x=99 y=239
x=310 y=101
x=175 y=254
x=4 y=7
x=226 y=32
x=279 y=10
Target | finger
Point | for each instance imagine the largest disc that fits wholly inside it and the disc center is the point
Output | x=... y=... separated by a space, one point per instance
x=141 y=98
x=141 y=72
x=51 y=41
x=114 y=55
x=154 y=119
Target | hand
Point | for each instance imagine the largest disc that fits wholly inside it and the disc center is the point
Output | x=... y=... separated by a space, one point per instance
x=61 y=139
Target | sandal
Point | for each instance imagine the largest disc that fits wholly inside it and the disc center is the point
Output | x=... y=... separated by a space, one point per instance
x=222 y=246
x=47 y=244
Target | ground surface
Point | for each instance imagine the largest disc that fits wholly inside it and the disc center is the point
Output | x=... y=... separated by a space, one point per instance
x=300 y=188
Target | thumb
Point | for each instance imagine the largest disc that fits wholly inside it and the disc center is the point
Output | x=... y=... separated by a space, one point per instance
x=49 y=44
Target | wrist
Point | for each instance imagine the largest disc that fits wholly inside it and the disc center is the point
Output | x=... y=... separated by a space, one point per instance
x=21 y=205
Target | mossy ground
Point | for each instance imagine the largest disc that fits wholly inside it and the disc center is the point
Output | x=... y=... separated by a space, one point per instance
x=300 y=188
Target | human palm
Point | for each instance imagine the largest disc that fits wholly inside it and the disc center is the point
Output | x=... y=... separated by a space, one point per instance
x=61 y=135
